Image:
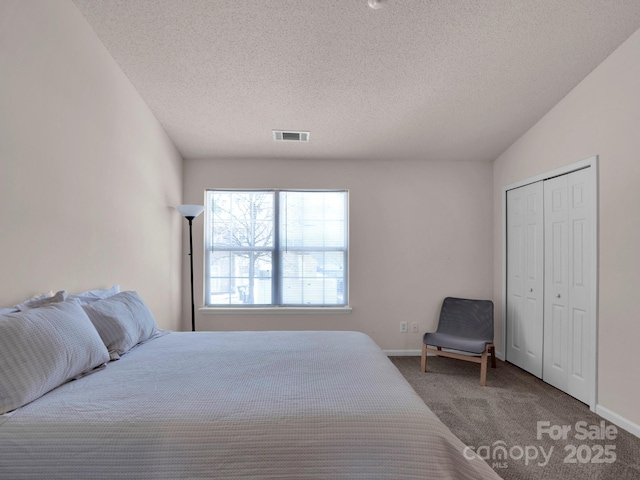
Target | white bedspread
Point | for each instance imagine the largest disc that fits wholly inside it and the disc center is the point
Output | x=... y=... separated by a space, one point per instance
x=286 y=405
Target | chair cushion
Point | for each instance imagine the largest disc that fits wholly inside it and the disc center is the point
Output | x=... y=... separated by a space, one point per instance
x=445 y=340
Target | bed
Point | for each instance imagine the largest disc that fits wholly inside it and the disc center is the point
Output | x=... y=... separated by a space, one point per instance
x=286 y=405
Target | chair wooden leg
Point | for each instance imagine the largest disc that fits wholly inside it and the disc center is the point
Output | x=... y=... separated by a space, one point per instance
x=483 y=360
x=483 y=368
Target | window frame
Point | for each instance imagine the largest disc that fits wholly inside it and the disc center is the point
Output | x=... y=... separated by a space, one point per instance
x=277 y=250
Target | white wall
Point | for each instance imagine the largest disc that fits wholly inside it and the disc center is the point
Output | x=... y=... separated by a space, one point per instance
x=87 y=174
x=601 y=116
x=419 y=231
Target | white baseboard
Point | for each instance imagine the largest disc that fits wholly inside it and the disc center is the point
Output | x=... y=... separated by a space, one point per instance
x=618 y=420
x=500 y=356
x=402 y=353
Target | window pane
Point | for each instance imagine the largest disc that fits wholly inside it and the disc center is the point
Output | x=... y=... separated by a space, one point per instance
x=240 y=278
x=242 y=219
x=313 y=278
x=312 y=219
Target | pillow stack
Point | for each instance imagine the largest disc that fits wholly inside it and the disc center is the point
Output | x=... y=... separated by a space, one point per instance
x=52 y=339
x=43 y=348
x=123 y=321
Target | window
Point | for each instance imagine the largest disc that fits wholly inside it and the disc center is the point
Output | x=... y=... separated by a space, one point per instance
x=276 y=248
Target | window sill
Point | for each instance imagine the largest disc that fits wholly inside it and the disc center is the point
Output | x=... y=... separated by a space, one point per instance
x=274 y=310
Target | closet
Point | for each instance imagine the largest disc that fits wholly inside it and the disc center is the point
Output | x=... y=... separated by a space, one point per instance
x=550 y=319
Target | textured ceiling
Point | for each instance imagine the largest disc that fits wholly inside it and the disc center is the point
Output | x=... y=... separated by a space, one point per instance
x=415 y=79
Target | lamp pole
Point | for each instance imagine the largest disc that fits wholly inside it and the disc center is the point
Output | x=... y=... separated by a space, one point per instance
x=190 y=212
x=193 y=303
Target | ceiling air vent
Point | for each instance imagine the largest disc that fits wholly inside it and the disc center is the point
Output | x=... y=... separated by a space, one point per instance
x=290 y=136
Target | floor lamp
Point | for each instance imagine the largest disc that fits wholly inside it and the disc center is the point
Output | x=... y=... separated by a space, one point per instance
x=190 y=212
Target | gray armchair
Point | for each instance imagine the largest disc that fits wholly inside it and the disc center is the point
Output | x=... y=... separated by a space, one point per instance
x=466 y=326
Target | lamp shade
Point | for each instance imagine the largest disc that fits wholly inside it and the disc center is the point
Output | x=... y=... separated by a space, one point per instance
x=190 y=210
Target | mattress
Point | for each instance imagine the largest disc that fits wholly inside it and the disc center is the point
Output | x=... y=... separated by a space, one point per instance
x=286 y=405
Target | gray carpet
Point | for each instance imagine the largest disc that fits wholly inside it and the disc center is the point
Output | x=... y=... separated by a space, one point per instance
x=506 y=412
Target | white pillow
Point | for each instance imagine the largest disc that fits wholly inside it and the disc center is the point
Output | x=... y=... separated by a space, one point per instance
x=122 y=321
x=43 y=348
x=41 y=301
x=5 y=310
x=94 y=295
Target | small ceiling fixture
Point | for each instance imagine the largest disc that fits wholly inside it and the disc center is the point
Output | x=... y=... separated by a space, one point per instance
x=375 y=4
x=290 y=136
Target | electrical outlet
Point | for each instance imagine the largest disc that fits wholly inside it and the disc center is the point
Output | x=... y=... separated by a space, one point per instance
x=414 y=327
x=404 y=327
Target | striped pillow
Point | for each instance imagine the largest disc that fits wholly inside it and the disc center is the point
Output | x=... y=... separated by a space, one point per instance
x=43 y=348
x=122 y=321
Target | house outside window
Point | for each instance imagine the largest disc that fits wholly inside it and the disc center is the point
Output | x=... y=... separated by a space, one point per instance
x=279 y=248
